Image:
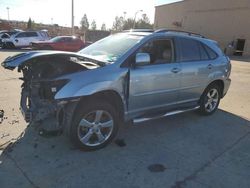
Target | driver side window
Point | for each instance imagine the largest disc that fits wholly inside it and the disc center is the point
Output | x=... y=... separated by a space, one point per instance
x=160 y=51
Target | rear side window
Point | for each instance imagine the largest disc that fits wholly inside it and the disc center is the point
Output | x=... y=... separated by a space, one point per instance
x=68 y=39
x=20 y=35
x=210 y=52
x=31 y=34
x=190 y=50
x=203 y=53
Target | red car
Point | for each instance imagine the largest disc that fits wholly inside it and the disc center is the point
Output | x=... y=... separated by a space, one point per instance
x=63 y=43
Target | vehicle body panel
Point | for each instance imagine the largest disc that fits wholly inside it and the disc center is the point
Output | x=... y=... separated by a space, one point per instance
x=141 y=89
x=153 y=86
x=74 y=44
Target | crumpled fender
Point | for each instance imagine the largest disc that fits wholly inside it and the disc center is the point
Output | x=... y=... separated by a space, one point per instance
x=89 y=90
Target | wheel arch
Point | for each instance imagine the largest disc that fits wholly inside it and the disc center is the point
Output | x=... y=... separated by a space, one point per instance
x=218 y=82
x=112 y=96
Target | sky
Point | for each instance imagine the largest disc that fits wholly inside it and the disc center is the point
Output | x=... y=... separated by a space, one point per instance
x=59 y=11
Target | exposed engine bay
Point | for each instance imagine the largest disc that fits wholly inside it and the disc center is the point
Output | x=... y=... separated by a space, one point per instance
x=40 y=86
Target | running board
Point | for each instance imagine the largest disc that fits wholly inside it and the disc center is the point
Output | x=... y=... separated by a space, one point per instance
x=139 y=120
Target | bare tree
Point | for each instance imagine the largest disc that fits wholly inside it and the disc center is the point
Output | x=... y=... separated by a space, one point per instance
x=118 y=24
x=93 y=25
x=84 y=23
x=103 y=28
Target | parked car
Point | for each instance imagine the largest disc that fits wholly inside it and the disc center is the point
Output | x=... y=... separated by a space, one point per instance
x=127 y=76
x=7 y=34
x=24 y=39
x=64 y=43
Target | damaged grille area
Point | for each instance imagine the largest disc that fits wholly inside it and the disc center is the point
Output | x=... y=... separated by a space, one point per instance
x=40 y=87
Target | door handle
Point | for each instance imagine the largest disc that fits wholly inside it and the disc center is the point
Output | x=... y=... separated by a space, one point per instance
x=176 y=70
x=210 y=66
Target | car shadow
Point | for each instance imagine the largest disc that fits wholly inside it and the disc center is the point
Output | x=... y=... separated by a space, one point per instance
x=182 y=144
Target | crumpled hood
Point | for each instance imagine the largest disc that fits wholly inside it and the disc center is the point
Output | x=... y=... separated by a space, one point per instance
x=18 y=60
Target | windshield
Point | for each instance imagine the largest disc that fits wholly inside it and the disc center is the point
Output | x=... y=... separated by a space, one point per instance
x=111 y=48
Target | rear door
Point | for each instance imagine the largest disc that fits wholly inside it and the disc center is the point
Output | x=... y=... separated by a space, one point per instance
x=156 y=85
x=32 y=37
x=196 y=68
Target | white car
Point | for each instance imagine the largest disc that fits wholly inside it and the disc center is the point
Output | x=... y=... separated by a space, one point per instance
x=25 y=38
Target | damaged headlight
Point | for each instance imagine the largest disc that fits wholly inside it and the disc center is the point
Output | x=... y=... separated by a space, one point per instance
x=48 y=89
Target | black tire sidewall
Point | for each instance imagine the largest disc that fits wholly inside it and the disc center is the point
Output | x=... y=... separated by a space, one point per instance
x=82 y=109
x=202 y=110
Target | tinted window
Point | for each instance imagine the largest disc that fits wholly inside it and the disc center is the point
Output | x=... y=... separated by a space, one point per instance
x=21 y=35
x=203 y=53
x=190 y=50
x=32 y=34
x=68 y=39
x=211 y=53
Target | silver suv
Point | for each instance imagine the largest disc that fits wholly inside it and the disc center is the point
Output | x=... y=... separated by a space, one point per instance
x=133 y=75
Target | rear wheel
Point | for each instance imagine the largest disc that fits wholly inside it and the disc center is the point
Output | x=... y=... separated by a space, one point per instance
x=210 y=100
x=94 y=125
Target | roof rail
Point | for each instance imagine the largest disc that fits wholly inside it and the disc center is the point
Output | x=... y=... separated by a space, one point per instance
x=139 y=30
x=179 y=31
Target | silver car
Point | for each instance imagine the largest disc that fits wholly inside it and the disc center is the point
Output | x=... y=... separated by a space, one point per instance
x=133 y=75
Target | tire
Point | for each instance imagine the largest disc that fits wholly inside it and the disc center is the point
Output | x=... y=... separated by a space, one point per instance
x=10 y=45
x=210 y=100
x=94 y=125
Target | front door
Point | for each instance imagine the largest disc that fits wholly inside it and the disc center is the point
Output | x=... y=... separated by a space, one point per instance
x=21 y=39
x=155 y=85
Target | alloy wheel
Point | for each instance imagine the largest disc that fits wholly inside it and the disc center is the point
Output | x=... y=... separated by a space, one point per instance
x=95 y=128
x=212 y=99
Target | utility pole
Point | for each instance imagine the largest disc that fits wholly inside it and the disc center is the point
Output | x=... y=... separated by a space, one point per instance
x=8 y=9
x=72 y=21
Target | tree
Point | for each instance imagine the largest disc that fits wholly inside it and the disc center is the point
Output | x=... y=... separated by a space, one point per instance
x=118 y=24
x=84 y=23
x=144 y=23
x=93 y=25
x=103 y=28
x=128 y=24
x=29 y=24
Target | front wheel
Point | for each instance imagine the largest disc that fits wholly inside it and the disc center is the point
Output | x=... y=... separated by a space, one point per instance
x=210 y=100
x=94 y=126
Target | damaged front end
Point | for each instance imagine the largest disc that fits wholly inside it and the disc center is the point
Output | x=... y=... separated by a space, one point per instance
x=40 y=84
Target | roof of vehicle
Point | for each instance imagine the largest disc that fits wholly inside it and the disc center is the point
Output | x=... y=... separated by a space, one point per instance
x=165 y=31
x=169 y=32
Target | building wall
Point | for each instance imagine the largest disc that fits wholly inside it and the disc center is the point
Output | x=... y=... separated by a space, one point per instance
x=222 y=20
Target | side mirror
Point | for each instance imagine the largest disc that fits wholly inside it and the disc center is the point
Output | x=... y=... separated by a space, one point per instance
x=142 y=59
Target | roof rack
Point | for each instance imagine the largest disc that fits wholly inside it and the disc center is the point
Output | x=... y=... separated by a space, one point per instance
x=140 y=30
x=179 y=31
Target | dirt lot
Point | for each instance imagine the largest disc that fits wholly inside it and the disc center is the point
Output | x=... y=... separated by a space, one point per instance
x=185 y=150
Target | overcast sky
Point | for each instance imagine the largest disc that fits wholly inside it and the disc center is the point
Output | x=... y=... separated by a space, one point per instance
x=59 y=11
